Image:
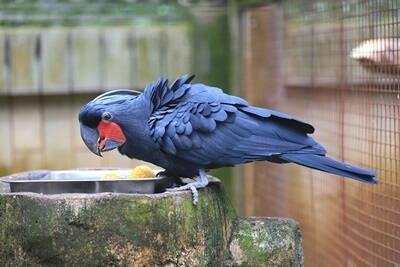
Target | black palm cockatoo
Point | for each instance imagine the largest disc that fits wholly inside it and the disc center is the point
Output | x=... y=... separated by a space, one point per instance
x=188 y=129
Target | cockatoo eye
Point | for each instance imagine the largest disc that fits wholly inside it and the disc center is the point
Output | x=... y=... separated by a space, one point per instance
x=107 y=116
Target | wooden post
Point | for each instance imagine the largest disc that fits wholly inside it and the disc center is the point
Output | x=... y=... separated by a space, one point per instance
x=262 y=74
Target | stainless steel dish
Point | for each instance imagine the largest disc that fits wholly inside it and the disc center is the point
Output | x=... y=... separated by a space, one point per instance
x=83 y=181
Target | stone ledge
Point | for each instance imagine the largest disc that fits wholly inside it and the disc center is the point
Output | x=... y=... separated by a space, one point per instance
x=165 y=229
x=266 y=242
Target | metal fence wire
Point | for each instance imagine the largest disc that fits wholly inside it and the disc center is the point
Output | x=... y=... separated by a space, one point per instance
x=340 y=72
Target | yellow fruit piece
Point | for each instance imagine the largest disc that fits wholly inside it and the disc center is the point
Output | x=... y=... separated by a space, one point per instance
x=141 y=171
x=111 y=176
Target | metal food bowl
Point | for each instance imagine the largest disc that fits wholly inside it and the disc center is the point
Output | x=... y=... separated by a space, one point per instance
x=84 y=181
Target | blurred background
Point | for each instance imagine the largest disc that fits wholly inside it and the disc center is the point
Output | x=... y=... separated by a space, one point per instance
x=334 y=64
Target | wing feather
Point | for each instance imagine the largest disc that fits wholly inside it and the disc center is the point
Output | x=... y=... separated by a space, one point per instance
x=203 y=125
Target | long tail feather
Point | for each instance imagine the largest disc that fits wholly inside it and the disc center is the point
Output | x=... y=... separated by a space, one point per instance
x=329 y=165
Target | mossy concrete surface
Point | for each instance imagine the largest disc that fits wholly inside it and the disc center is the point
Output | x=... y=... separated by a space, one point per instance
x=266 y=242
x=109 y=229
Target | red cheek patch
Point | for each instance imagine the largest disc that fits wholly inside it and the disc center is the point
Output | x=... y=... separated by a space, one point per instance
x=110 y=131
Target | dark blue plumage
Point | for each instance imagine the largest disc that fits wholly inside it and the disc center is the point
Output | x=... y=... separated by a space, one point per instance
x=187 y=129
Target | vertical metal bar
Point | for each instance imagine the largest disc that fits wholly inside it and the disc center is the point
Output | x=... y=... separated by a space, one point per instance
x=343 y=84
x=131 y=43
x=8 y=79
x=102 y=60
x=8 y=63
x=38 y=63
x=236 y=88
x=164 y=49
x=70 y=62
x=41 y=100
x=312 y=61
x=8 y=84
x=249 y=170
x=70 y=83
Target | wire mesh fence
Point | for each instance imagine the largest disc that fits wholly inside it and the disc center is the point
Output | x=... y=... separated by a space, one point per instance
x=340 y=74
